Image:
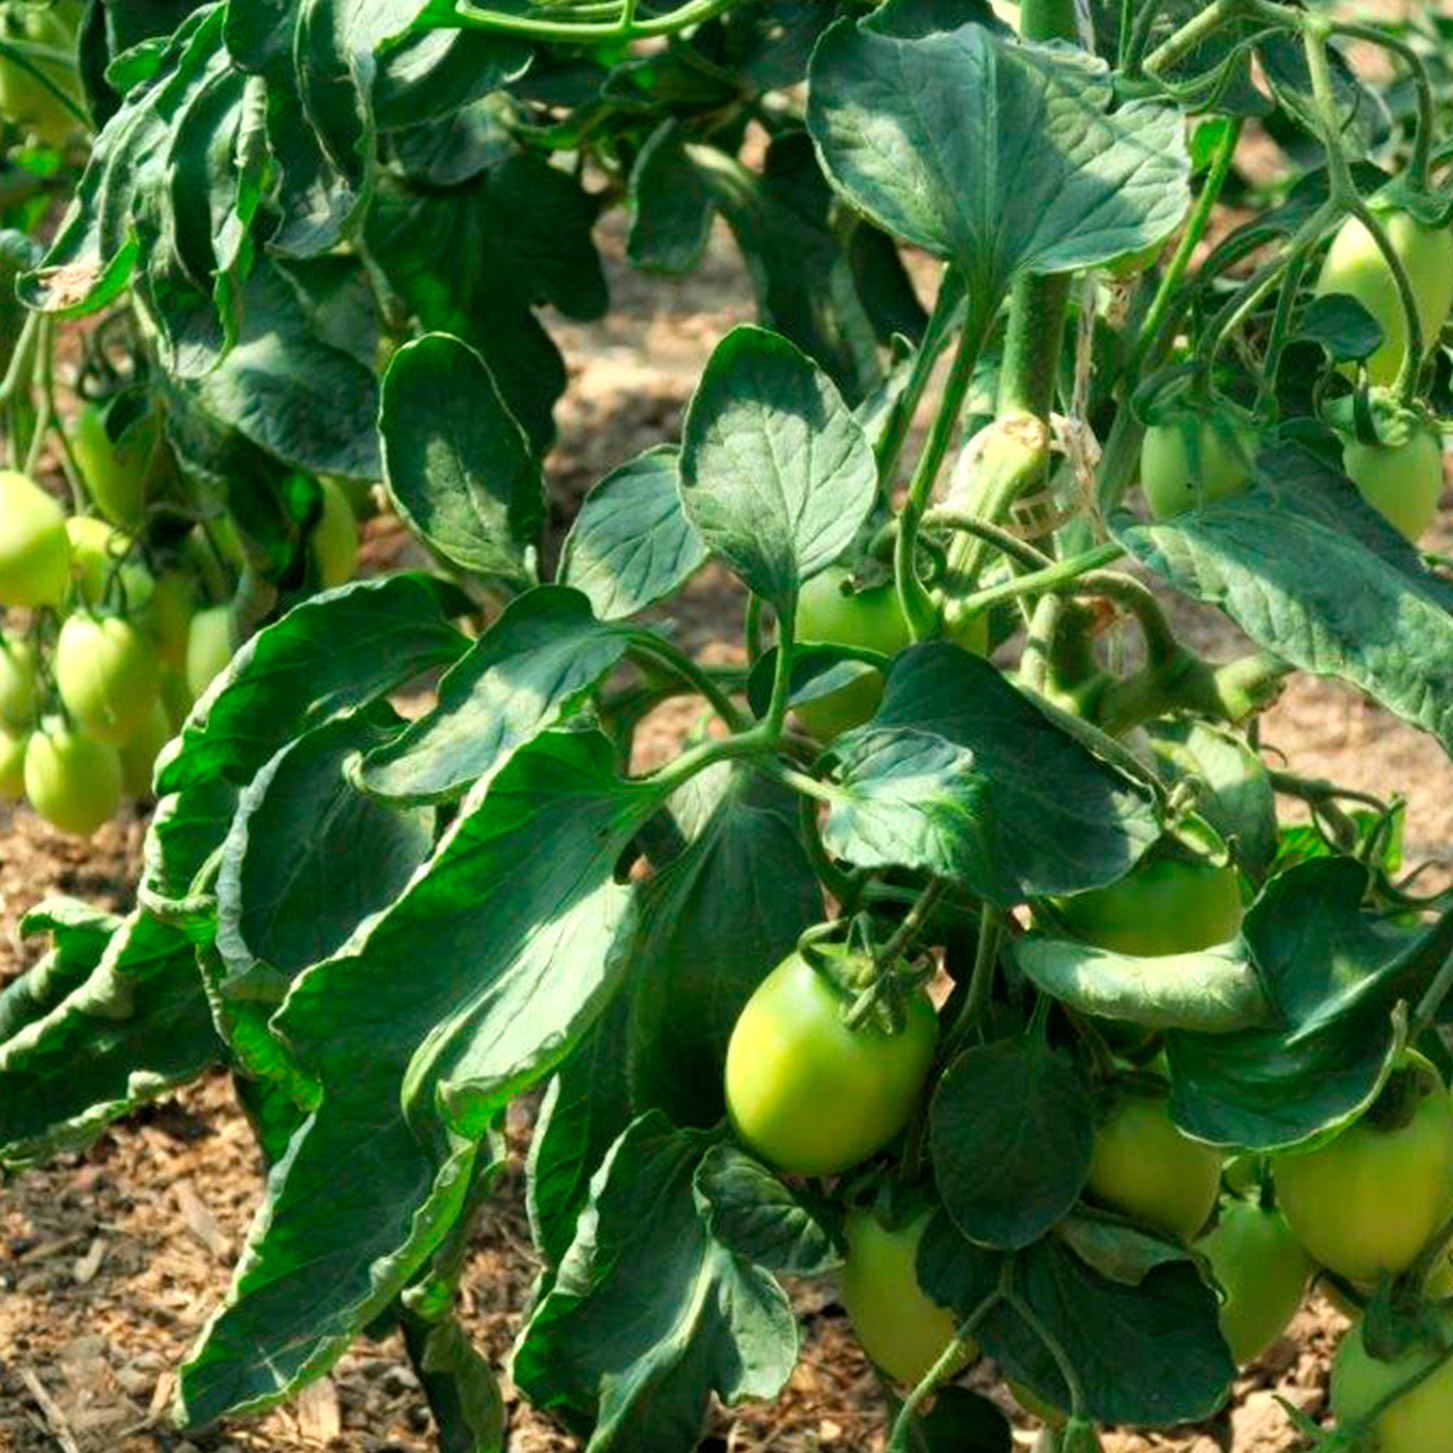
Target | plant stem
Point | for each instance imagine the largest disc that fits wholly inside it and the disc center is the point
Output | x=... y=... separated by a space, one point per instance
x=1020 y=551
x=627 y=27
x=1432 y=1001
x=981 y=982
x=654 y=649
x=1039 y=582
x=913 y=922
x=949 y=1362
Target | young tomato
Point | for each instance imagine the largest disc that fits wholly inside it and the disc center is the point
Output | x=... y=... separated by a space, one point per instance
x=1370 y=1199
x=169 y=616
x=1262 y=1268
x=902 y=1329
x=809 y=1094
x=12 y=765
x=117 y=472
x=1163 y=905
x=1194 y=459
x=72 y=780
x=209 y=647
x=17 y=682
x=871 y=619
x=335 y=537
x=139 y=752
x=1402 y=481
x=97 y=553
x=1142 y=1165
x=1355 y=266
x=1417 y=1422
x=35 y=555
x=107 y=675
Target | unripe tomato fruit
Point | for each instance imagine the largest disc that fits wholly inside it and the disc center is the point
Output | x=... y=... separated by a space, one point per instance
x=902 y=1329
x=12 y=765
x=176 y=696
x=17 y=682
x=1163 y=905
x=871 y=619
x=1371 y=1198
x=97 y=553
x=139 y=752
x=807 y=1093
x=335 y=537
x=209 y=647
x=1355 y=266
x=1195 y=459
x=24 y=97
x=117 y=472
x=169 y=615
x=1262 y=1268
x=107 y=675
x=1142 y=1165
x=1402 y=482
x=35 y=556
x=72 y=780
x=1420 y=1420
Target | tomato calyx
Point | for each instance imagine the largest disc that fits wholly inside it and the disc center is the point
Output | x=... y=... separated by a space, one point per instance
x=874 y=987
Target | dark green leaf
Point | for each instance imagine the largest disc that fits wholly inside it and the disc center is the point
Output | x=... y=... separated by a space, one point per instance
x=961 y=1421
x=79 y=935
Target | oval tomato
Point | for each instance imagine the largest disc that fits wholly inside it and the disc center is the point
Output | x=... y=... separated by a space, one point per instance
x=35 y=555
x=118 y=473
x=335 y=537
x=140 y=750
x=1371 y=1198
x=902 y=1329
x=1194 y=459
x=99 y=560
x=870 y=619
x=807 y=1093
x=17 y=682
x=72 y=780
x=12 y=765
x=1142 y=1165
x=1163 y=905
x=1402 y=482
x=209 y=647
x=1355 y=266
x=169 y=616
x=107 y=675
x=1263 y=1270
x=1417 y=1422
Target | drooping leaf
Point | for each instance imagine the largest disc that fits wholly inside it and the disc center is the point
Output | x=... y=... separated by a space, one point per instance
x=964 y=776
x=649 y=1316
x=79 y=935
x=776 y=474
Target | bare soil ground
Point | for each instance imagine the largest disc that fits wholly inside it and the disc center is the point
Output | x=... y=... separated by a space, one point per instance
x=110 y=1261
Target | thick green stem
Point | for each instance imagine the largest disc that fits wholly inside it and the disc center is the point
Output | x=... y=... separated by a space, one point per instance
x=1232 y=692
x=626 y=27
x=652 y=649
x=1039 y=582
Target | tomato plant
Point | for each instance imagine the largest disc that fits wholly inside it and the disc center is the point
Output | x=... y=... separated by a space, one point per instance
x=964 y=934
x=1410 y=1421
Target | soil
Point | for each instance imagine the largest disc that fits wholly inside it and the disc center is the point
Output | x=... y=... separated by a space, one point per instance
x=111 y=1260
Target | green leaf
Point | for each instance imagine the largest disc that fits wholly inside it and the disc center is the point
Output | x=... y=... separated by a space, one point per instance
x=1311 y=572
x=1213 y=991
x=1024 y=1110
x=961 y=1421
x=1150 y=1354
x=762 y=1220
x=776 y=474
x=964 y=776
x=714 y=923
x=536 y=665
x=137 y=1026
x=309 y=856
x=80 y=934
x=631 y=544
x=462 y=1390
x=1119 y=1251
x=458 y=467
x=650 y=1316
x=475 y=984
x=1003 y=157
x=1334 y=973
x=585 y=1109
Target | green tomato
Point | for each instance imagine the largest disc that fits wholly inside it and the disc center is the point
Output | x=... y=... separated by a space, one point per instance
x=809 y=1094
x=176 y=696
x=1419 y=1420
x=902 y=1329
x=1402 y=482
x=169 y=616
x=870 y=619
x=1142 y=1165
x=140 y=751
x=1262 y=1268
x=118 y=472
x=24 y=97
x=1163 y=905
x=35 y=556
x=1370 y=1199
x=1195 y=459
x=95 y=550
x=335 y=537
x=107 y=675
x=209 y=647
x=72 y=780
x=17 y=682
x=1355 y=266
x=12 y=765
